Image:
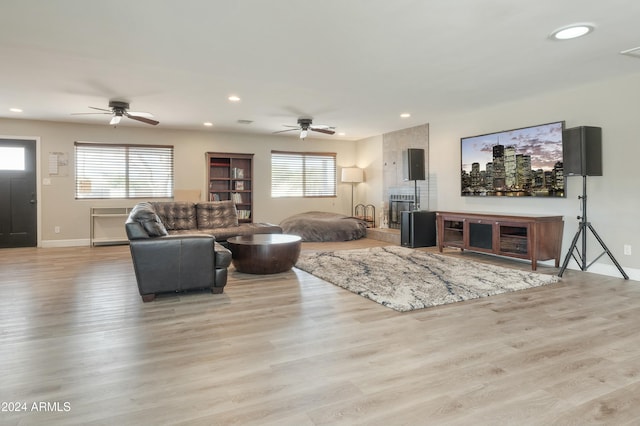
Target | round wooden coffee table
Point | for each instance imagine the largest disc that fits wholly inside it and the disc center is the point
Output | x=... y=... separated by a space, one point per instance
x=264 y=253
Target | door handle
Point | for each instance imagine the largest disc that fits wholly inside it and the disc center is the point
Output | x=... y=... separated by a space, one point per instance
x=33 y=200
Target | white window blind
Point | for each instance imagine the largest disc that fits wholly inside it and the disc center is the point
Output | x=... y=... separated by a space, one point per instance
x=123 y=171
x=303 y=174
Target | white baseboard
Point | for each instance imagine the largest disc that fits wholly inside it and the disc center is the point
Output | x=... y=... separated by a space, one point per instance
x=596 y=268
x=65 y=243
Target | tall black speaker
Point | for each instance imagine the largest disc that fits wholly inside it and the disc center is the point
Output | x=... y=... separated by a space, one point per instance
x=413 y=164
x=582 y=151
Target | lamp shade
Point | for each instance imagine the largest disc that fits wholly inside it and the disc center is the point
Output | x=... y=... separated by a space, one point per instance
x=352 y=175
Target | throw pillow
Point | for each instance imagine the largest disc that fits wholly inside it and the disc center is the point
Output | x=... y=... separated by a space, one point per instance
x=154 y=227
x=144 y=214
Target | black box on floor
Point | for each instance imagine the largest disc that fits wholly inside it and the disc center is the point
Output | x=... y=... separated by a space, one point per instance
x=417 y=228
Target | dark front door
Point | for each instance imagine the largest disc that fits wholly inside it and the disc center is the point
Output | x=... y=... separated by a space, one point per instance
x=18 y=210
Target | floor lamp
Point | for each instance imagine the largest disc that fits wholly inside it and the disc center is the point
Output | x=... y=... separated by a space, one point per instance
x=352 y=175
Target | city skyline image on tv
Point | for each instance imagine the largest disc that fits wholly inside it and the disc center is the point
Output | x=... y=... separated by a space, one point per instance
x=524 y=162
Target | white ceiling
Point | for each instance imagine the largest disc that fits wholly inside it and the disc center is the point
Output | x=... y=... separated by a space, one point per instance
x=353 y=64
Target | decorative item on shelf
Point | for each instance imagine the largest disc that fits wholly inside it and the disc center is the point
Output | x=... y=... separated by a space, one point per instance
x=240 y=186
x=236 y=197
x=352 y=175
x=384 y=217
x=237 y=173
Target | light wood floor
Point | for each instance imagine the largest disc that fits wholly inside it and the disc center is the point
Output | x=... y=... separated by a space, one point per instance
x=290 y=349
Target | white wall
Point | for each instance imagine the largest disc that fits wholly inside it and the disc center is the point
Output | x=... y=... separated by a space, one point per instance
x=60 y=208
x=613 y=199
x=369 y=158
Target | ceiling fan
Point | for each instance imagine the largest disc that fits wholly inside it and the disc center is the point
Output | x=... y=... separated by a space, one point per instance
x=305 y=124
x=119 y=109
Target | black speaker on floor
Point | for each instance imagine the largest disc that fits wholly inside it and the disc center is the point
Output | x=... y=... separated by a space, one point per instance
x=582 y=151
x=418 y=228
x=413 y=164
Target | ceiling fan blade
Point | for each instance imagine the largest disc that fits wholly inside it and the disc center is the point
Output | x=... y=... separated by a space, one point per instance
x=320 y=126
x=289 y=125
x=327 y=131
x=140 y=114
x=90 y=113
x=288 y=130
x=142 y=119
x=101 y=109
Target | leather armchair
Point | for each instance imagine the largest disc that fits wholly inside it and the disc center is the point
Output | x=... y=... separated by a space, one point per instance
x=172 y=263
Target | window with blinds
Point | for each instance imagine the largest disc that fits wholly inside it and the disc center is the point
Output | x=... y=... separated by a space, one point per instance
x=303 y=174
x=123 y=171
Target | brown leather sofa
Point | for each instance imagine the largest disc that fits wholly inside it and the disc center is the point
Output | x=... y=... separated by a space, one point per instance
x=216 y=218
x=174 y=245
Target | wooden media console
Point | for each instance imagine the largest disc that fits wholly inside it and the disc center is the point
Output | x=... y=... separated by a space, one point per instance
x=532 y=237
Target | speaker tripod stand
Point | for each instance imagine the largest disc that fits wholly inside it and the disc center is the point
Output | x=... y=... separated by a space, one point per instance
x=583 y=226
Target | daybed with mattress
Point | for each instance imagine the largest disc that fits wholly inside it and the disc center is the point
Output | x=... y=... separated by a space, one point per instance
x=324 y=226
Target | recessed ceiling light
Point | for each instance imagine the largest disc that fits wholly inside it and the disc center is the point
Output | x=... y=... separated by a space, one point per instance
x=234 y=98
x=342 y=134
x=571 y=31
x=405 y=115
x=15 y=110
x=208 y=124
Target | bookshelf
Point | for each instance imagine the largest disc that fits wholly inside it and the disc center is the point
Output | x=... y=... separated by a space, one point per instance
x=230 y=177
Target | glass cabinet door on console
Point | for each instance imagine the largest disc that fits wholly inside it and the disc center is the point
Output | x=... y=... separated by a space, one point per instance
x=514 y=239
x=453 y=233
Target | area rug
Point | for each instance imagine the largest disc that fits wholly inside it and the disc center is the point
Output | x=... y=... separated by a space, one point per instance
x=405 y=279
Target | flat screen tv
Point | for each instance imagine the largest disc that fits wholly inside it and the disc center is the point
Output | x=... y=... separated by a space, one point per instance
x=525 y=162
